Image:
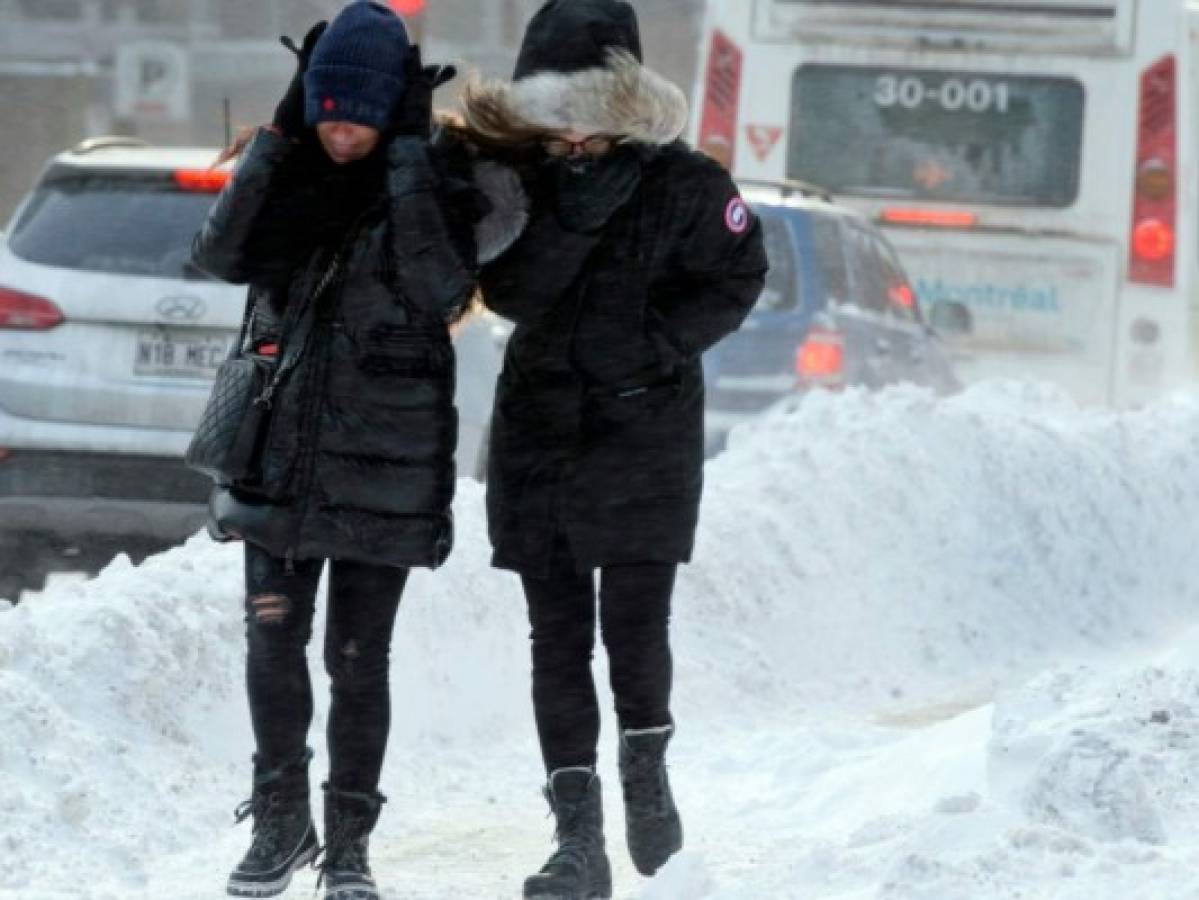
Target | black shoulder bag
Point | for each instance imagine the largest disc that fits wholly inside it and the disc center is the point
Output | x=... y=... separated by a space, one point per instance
x=227 y=442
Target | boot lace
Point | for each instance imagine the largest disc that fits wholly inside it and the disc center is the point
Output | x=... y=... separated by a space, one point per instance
x=264 y=809
x=344 y=850
x=572 y=849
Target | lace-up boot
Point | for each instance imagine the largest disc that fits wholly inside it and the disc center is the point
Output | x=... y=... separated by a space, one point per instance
x=345 y=869
x=284 y=838
x=578 y=869
x=652 y=823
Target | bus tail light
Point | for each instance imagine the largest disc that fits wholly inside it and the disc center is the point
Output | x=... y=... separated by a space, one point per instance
x=820 y=360
x=1152 y=241
x=27 y=312
x=928 y=218
x=722 y=100
x=1155 y=182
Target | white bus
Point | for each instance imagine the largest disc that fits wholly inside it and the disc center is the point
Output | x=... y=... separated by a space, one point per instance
x=1034 y=161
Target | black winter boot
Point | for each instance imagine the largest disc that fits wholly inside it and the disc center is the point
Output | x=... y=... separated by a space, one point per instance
x=652 y=823
x=578 y=869
x=349 y=819
x=284 y=836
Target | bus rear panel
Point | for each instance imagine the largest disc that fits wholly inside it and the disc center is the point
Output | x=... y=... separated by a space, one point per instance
x=1025 y=155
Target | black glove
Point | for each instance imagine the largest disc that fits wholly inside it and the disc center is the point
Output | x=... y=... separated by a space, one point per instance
x=589 y=191
x=289 y=114
x=414 y=117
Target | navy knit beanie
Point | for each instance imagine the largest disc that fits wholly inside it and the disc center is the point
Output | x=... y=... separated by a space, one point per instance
x=357 y=69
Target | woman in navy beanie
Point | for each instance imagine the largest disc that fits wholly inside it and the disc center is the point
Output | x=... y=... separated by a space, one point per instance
x=359 y=241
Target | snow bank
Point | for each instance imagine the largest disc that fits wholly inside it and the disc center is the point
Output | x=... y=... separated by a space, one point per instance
x=1076 y=786
x=897 y=546
x=893 y=555
x=122 y=707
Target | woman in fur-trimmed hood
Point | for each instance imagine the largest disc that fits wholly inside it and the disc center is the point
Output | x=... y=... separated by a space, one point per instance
x=638 y=256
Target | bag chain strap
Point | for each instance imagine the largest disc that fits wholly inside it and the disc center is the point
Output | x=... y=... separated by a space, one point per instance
x=264 y=400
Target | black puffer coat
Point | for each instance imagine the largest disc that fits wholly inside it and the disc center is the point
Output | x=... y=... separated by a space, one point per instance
x=358 y=459
x=598 y=427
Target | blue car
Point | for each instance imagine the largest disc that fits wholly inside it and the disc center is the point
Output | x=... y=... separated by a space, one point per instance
x=837 y=310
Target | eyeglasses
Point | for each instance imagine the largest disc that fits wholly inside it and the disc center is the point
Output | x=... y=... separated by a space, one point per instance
x=596 y=145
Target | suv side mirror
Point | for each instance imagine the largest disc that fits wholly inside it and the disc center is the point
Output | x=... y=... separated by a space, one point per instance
x=951 y=318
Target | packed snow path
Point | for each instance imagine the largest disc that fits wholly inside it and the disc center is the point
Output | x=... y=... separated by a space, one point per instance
x=929 y=649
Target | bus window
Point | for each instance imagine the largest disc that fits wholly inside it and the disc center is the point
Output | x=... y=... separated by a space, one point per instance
x=938 y=135
x=830 y=251
x=781 y=293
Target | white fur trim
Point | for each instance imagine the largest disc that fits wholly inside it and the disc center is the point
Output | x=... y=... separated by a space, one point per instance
x=623 y=97
x=500 y=228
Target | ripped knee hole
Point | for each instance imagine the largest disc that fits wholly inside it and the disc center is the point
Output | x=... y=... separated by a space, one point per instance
x=270 y=609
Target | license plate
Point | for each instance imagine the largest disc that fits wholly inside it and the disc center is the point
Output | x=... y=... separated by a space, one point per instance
x=181 y=354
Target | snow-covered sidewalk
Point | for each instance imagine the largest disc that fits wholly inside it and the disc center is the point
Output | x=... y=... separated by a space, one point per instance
x=929 y=649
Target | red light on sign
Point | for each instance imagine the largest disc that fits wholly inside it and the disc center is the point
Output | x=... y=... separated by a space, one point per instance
x=407 y=7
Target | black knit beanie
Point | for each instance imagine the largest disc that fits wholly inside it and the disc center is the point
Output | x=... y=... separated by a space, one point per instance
x=572 y=35
x=357 y=68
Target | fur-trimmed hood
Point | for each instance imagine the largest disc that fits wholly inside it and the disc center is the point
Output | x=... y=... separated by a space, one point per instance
x=621 y=98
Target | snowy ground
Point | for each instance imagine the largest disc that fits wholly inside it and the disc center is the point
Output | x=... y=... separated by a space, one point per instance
x=938 y=650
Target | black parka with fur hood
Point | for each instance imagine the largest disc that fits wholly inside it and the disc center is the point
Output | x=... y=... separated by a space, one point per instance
x=598 y=433
x=358 y=459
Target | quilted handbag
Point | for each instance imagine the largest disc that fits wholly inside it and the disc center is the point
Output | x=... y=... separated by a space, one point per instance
x=225 y=444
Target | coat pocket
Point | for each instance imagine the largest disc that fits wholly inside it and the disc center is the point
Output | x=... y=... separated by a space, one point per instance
x=387 y=488
x=395 y=350
x=630 y=403
x=356 y=426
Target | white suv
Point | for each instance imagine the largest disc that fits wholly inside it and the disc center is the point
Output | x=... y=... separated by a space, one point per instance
x=108 y=344
x=109 y=340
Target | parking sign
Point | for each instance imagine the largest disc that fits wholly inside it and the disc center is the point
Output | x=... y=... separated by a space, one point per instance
x=153 y=81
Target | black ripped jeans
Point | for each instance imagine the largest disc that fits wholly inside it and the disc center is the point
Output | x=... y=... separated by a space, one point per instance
x=634 y=613
x=362 y=604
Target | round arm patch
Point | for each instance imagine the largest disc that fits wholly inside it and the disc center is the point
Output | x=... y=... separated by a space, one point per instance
x=736 y=216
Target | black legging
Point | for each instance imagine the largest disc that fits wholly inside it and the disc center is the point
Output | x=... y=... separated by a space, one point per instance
x=634 y=603
x=362 y=605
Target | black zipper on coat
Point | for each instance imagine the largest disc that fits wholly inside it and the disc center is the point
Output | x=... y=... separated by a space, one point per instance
x=314 y=398
x=309 y=422
x=319 y=361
